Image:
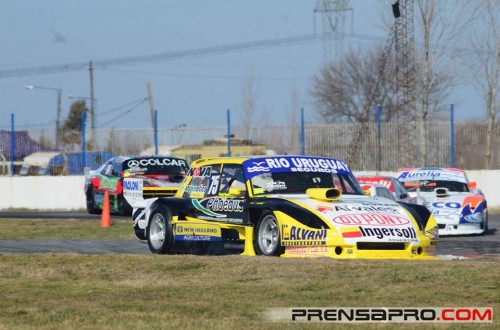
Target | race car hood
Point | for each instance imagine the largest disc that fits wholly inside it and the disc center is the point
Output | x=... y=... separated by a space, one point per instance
x=360 y=219
x=462 y=206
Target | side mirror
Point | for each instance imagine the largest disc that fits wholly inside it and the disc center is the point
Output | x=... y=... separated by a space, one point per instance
x=403 y=196
x=472 y=185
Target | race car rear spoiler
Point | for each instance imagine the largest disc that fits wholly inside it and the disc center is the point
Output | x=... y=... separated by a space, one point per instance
x=135 y=193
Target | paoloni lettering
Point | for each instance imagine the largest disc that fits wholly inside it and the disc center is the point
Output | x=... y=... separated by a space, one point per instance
x=130 y=185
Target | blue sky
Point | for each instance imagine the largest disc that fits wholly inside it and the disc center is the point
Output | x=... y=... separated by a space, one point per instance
x=195 y=90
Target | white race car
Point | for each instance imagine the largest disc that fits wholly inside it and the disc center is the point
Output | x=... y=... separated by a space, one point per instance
x=458 y=207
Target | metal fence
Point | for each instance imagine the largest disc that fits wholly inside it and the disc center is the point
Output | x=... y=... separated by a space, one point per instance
x=363 y=146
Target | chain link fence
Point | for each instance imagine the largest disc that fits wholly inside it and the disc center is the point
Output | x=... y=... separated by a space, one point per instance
x=363 y=146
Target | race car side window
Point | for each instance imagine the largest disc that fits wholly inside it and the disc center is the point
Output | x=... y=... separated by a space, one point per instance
x=232 y=180
x=117 y=169
x=107 y=170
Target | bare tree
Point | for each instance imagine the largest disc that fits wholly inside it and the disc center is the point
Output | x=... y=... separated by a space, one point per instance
x=348 y=90
x=293 y=120
x=440 y=25
x=484 y=61
x=249 y=100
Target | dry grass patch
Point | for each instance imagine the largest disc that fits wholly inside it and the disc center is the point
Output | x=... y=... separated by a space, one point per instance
x=149 y=291
x=64 y=229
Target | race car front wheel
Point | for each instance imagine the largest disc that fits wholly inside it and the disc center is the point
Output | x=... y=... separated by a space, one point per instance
x=267 y=236
x=159 y=231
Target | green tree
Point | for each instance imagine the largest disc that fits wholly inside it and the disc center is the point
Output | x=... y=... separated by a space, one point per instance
x=72 y=127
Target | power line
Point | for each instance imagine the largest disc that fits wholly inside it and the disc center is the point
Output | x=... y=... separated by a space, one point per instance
x=140 y=101
x=174 y=55
x=166 y=56
x=124 y=113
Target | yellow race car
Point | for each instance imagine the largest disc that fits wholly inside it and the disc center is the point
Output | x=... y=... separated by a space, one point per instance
x=288 y=206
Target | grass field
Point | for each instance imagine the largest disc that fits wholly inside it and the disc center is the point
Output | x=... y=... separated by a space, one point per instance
x=71 y=291
x=64 y=229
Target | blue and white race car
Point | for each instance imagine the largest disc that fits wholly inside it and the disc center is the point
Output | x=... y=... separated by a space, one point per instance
x=458 y=207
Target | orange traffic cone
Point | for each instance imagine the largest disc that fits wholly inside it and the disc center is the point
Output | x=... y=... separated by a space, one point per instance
x=106 y=214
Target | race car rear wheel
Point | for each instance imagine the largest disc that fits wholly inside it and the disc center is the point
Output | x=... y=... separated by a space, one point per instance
x=91 y=204
x=159 y=231
x=267 y=236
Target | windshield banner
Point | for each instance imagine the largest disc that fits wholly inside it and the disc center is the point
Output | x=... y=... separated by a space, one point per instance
x=432 y=174
x=281 y=164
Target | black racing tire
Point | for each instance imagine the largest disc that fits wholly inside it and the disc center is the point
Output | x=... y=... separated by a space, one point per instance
x=139 y=234
x=485 y=225
x=159 y=231
x=125 y=208
x=267 y=240
x=91 y=204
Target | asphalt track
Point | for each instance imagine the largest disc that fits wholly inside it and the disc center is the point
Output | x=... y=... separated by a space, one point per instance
x=485 y=246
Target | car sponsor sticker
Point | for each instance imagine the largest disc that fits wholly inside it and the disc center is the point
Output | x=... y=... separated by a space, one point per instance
x=308 y=251
x=197 y=232
x=432 y=174
x=156 y=161
x=256 y=166
x=132 y=190
x=389 y=234
x=370 y=219
x=293 y=235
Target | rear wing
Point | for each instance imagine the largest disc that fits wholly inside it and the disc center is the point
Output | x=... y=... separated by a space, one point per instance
x=135 y=193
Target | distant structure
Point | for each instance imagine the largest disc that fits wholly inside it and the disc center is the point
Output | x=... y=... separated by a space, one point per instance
x=333 y=20
x=404 y=42
x=213 y=148
x=401 y=52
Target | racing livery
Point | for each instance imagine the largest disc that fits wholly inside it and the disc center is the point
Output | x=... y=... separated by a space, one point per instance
x=161 y=176
x=289 y=206
x=459 y=208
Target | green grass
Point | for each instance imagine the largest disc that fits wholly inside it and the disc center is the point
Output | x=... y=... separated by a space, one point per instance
x=72 y=291
x=48 y=291
x=64 y=229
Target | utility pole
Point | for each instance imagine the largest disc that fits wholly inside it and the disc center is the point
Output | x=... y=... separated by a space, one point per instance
x=58 y=112
x=58 y=119
x=92 y=105
x=151 y=105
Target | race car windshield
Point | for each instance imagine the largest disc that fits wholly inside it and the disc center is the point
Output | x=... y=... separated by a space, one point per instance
x=299 y=182
x=431 y=185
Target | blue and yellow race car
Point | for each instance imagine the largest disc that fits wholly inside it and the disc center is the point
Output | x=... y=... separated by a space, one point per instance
x=288 y=206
